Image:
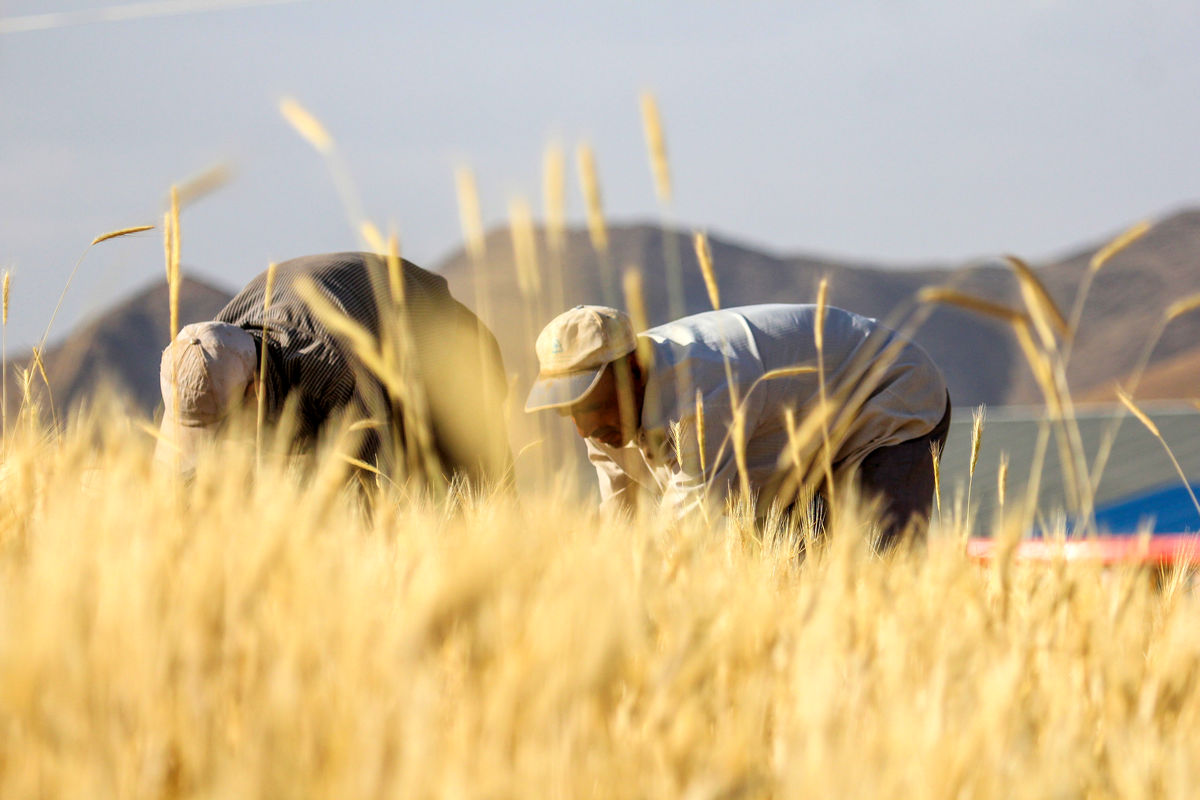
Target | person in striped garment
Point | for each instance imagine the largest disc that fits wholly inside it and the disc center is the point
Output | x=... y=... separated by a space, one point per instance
x=321 y=312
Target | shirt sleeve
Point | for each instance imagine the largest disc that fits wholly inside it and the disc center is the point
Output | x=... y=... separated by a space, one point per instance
x=702 y=472
x=701 y=445
x=620 y=492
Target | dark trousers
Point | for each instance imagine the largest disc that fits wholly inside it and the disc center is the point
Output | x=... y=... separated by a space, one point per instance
x=900 y=477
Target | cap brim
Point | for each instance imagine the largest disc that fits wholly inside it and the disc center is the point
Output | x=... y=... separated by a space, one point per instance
x=179 y=446
x=560 y=391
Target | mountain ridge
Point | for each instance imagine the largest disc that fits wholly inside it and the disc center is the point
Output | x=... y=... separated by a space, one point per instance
x=980 y=357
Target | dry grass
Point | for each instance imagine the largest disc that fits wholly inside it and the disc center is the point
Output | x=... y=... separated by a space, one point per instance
x=243 y=637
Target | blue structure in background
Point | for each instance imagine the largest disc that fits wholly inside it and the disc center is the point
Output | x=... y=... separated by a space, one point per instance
x=1170 y=509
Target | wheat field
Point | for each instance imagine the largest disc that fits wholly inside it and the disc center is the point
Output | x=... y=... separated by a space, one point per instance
x=257 y=633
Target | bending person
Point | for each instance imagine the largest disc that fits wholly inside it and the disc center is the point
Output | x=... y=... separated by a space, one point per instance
x=456 y=383
x=636 y=401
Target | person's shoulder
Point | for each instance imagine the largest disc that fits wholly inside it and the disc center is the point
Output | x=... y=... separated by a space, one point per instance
x=354 y=264
x=316 y=262
x=426 y=279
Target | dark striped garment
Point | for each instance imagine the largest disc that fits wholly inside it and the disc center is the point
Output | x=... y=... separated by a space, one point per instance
x=457 y=361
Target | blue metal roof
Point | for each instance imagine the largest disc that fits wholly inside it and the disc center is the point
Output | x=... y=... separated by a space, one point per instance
x=1165 y=510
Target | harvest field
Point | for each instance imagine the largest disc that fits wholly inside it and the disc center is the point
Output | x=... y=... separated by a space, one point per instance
x=264 y=632
x=258 y=636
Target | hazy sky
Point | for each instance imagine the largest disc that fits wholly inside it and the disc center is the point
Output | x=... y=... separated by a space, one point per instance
x=895 y=130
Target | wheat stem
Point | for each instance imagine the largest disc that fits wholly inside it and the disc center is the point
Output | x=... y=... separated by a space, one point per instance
x=704 y=257
x=589 y=181
x=1142 y=417
x=261 y=416
x=4 y=295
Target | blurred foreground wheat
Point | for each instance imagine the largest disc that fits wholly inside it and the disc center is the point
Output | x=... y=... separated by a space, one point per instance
x=267 y=638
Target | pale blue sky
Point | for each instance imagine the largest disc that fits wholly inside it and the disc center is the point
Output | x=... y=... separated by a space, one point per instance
x=895 y=130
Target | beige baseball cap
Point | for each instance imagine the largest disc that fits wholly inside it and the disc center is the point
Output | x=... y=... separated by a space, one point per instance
x=573 y=350
x=203 y=375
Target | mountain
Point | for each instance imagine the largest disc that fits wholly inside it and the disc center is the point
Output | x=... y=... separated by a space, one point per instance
x=979 y=356
x=1174 y=378
x=120 y=348
x=1127 y=303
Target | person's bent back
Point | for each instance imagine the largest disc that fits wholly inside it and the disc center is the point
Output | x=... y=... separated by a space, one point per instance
x=454 y=376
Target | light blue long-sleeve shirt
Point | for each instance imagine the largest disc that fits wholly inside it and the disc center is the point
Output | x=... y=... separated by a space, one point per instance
x=882 y=391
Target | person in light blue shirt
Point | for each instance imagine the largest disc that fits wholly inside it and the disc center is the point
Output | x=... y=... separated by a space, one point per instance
x=688 y=412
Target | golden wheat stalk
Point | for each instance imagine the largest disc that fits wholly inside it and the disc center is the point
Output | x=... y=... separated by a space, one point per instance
x=704 y=257
x=469 y=213
x=524 y=243
x=1097 y=262
x=788 y=372
x=261 y=378
x=977 y=420
x=589 y=181
x=554 y=197
x=737 y=435
x=1051 y=380
x=656 y=143
x=41 y=368
x=173 y=266
x=656 y=146
x=861 y=378
x=104 y=237
x=1177 y=309
x=554 y=209
x=1122 y=241
x=205 y=183
x=554 y=205
x=700 y=432
x=635 y=298
x=371 y=236
x=635 y=303
x=4 y=295
x=936 y=458
x=1047 y=318
x=1181 y=307
x=1127 y=401
x=418 y=456
x=1043 y=370
x=821 y=313
x=388 y=367
x=318 y=137
x=936 y=455
x=819 y=341
x=942 y=295
x=1143 y=418
x=395 y=268
x=306 y=124
x=28 y=404
x=1002 y=480
x=167 y=248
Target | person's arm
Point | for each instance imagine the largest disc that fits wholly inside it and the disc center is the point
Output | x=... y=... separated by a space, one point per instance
x=620 y=493
x=707 y=470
